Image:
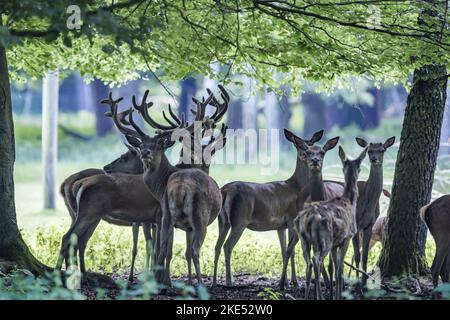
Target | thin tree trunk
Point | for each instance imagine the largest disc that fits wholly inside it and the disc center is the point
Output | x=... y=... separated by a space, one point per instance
x=314 y=111
x=13 y=249
x=403 y=249
x=188 y=90
x=50 y=89
x=103 y=125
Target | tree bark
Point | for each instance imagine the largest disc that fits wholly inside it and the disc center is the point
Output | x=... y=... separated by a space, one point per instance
x=13 y=250
x=103 y=125
x=314 y=111
x=404 y=244
x=50 y=88
x=188 y=90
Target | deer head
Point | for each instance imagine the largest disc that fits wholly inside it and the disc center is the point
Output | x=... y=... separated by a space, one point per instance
x=350 y=166
x=315 y=154
x=376 y=150
x=129 y=162
x=297 y=141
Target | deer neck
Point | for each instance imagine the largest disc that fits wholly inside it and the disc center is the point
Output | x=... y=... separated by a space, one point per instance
x=316 y=188
x=156 y=179
x=300 y=177
x=351 y=187
x=374 y=185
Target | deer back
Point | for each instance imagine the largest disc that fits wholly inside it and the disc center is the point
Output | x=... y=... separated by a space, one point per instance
x=117 y=196
x=191 y=194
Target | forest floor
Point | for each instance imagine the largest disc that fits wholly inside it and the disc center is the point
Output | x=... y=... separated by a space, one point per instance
x=254 y=287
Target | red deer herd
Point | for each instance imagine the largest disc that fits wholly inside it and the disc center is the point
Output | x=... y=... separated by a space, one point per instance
x=142 y=188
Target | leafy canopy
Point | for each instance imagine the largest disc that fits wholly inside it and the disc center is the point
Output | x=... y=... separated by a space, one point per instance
x=315 y=40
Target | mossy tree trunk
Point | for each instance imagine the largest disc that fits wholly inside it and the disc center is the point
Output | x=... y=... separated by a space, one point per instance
x=13 y=250
x=404 y=246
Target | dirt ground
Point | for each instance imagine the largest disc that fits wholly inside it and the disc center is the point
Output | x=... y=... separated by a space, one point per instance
x=253 y=287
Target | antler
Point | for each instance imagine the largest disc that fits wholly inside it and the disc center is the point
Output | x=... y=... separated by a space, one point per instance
x=119 y=117
x=143 y=109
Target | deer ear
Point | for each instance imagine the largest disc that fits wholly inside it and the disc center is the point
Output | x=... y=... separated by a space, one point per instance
x=289 y=135
x=363 y=154
x=330 y=144
x=300 y=143
x=316 y=136
x=133 y=141
x=389 y=142
x=362 y=143
x=342 y=154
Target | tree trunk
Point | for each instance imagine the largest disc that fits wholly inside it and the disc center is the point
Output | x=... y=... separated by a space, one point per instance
x=284 y=115
x=403 y=249
x=103 y=125
x=314 y=111
x=12 y=247
x=50 y=90
x=234 y=114
x=188 y=90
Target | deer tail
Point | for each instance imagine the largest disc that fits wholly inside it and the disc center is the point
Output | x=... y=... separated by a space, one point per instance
x=423 y=213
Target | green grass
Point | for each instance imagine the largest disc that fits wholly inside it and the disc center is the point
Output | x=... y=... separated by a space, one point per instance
x=110 y=247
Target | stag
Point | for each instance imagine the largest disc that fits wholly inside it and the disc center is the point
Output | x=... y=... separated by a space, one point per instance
x=189 y=198
x=119 y=207
x=367 y=210
x=260 y=207
x=328 y=226
x=436 y=216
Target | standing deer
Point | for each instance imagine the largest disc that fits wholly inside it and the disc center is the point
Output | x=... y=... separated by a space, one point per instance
x=108 y=197
x=189 y=198
x=328 y=226
x=261 y=207
x=367 y=210
x=128 y=162
x=436 y=216
x=315 y=190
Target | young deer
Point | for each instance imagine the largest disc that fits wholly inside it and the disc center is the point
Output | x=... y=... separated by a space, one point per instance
x=436 y=216
x=367 y=210
x=315 y=190
x=328 y=226
x=260 y=207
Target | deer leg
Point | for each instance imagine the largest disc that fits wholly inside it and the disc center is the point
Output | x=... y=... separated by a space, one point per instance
x=334 y=255
x=188 y=254
x=199 y=237
x=293 y=273
x=444 y=270
x=306 y=248
x=166 y=233
x=330 y=272
x=367 y=235
x=233 y=238
x=64 y=247
x=135 y=228
x=282 y=238
x=291 y=247
x=438 y=261
x=82 y=243
x=224 y=227
x=356 y=252
x=342 y=252
x=148 y=229
x=317 y=271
